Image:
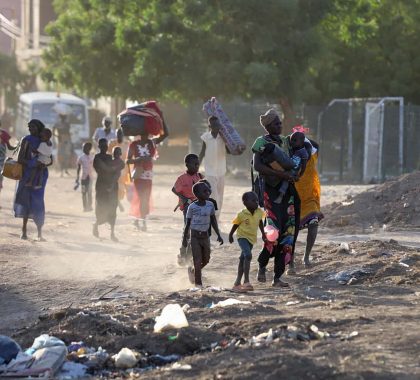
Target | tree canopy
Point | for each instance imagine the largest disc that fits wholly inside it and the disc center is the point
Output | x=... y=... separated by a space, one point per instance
x=279 y=50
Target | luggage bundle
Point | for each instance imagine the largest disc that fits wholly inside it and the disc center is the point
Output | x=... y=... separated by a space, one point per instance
x=230 y=135
x=142 y=118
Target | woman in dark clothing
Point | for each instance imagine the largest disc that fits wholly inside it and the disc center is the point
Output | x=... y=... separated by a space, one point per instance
x=106 y=188
x=29 y=201
x=284 y=216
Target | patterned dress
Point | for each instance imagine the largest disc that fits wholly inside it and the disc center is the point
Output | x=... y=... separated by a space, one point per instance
x=284 y=216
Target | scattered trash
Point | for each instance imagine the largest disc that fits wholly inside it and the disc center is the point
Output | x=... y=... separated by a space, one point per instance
x=343 y=277
x=49 y=359
x=75 y=346
x=350 y=336
x=8 y=349
x=172 y=317
x=344 y=248
x=125 y=358
x=44 y=341
x=264 y=338
x=409 y=260
x=215 y=289
x=229 y=302
x=71 y=370
x=318 y=333
x=162 y=360
x=185 y=308
x=290 y=303
x=180 y=367
x=172 y=338
x=353 y=281
x=404 y=264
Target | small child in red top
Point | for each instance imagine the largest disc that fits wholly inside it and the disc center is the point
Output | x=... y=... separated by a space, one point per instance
x=183 y=189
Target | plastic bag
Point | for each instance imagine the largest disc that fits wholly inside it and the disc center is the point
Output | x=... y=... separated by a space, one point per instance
x=43 y=341
x=172 y=317
x=125 y=358
x=229 y=302
x=8 y=349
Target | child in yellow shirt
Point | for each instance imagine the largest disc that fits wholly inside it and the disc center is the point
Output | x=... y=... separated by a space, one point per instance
x=246 y=224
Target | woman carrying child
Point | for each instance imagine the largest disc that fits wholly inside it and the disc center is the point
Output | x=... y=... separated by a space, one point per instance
x=285 y=215
x=29 y=201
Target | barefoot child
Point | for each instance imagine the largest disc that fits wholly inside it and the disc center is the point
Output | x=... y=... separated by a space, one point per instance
x=246 y=224
x=85 y=164
x=183 y=189
x=200 y=215
x=44 y=159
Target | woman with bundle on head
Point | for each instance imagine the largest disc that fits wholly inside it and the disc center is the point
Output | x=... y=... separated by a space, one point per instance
x=284 y=216
x=29 y=201
x=141 y=154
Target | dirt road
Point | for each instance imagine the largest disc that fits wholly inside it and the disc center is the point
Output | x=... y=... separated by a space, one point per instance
x=72 y=268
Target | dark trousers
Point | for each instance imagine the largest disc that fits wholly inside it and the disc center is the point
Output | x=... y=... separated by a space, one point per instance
x=200 y=247
x=87 y=193
x=279 y=262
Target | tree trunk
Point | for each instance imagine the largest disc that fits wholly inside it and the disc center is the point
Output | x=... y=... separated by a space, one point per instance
x=289 y=118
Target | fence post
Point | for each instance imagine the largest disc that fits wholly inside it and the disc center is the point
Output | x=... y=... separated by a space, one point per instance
x=401 y=137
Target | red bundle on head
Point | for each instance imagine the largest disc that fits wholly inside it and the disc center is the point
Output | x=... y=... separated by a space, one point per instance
x=142 y=118
x=5 y=137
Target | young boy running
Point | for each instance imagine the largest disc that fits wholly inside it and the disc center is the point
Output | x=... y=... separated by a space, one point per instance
x=85 y=165
x=200 y=215
x=246 y=224
x=183 y=189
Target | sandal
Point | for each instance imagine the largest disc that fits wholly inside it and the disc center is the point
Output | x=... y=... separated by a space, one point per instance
x=238 y=289
x=247 y=286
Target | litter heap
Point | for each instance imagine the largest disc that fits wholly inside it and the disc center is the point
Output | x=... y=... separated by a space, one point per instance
x=394 y=204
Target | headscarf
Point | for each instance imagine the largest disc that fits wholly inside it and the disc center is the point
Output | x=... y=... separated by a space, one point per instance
x=38 y=124
x=4 y=135
x=268 y=117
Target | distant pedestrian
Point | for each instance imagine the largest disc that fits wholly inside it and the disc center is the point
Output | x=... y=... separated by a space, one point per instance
x=85 y=165
x=124 y=179
x=106 y=188
x=213 y=152
x=4 y=146
x=104 y=132
x=246 y=224
x=61 y=130
x=29 y=202
x=200 y=215
x=141 y=153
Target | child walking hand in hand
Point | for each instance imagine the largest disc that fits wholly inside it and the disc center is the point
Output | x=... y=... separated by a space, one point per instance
x=246 y=225
x=200 y=215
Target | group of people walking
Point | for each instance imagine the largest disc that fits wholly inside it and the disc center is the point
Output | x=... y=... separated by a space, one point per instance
x=287 y=206
x=285 y=200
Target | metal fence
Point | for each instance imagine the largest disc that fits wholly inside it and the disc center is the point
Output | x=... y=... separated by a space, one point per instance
x=361 y=140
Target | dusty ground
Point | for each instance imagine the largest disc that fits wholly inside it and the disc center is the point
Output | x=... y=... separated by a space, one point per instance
x=45 y=285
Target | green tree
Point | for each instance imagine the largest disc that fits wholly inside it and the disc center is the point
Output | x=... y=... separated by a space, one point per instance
x=11 y=79
x=368 y=50
x=182 y=49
